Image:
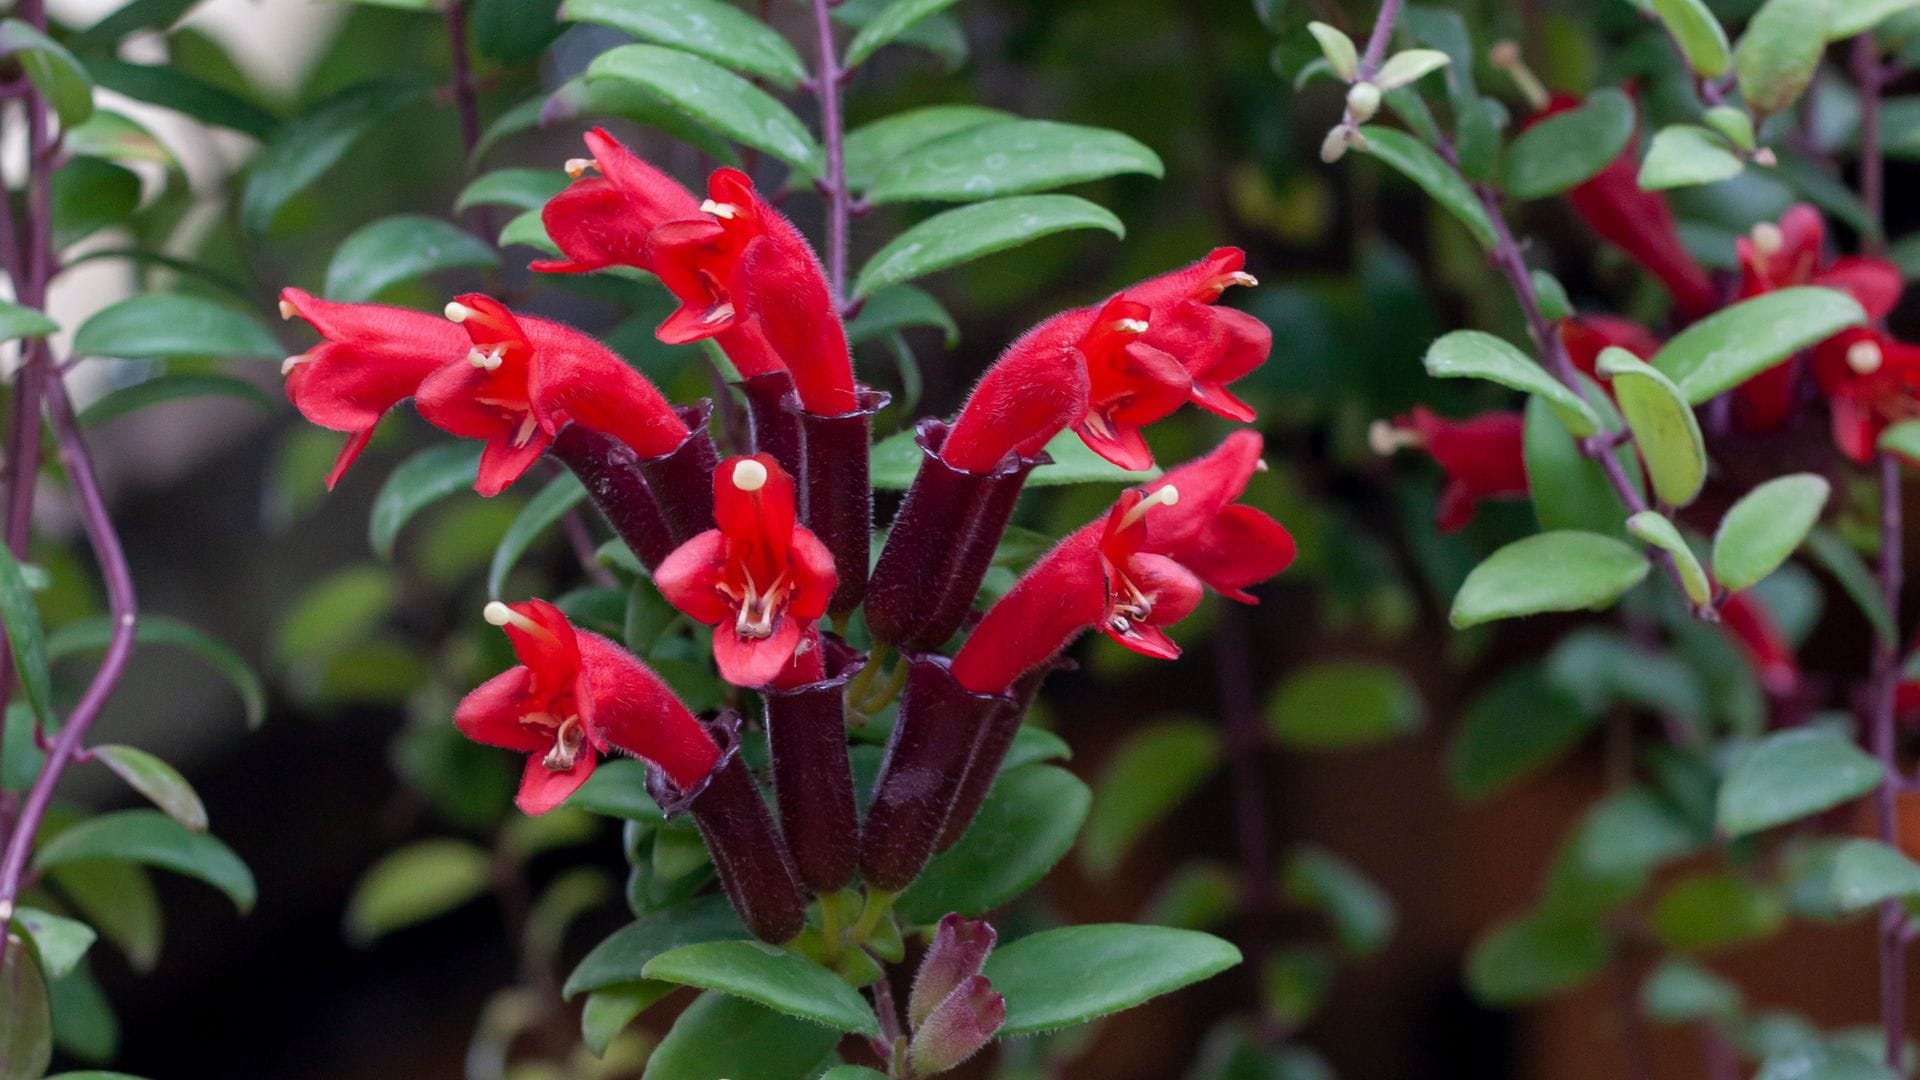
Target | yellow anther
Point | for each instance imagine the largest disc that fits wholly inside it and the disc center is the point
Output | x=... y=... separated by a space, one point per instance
x=749 y=475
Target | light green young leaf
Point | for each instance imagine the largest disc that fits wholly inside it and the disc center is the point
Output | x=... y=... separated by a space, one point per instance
x=1779 y=52
x=1761 y=530
x=1792 y=774
x=1338 y=48
x=1903 y=439
x=1474 y=354
x=60 y=941
x=1851 y=17
x=1729 y=347
x=1684 y=155
x=414 y=884
x=608 y=1012
x=711 y=29
x=1663 y=425
x=160 y=782
x=1714 y=910
x=1867 y=872
x=1405 y=67
x=710 y=94
x=1417 y=162
x=1702 y=40
x=1555 y=571
x=966 y=233
x=1655 y=529
x=770 y=977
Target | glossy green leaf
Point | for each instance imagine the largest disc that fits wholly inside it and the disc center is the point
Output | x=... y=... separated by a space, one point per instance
x=1714 y=910
x=1150 y=773
x=1729 y=347
x=1343 y=704
x=23 y=322
x=92 y=634
x=766 y=975
x=1080 y=973
x=1832 y=551
x=1733 y=124
x=301 y=151
x=897 y=458
x=26 y=639
x=417 y=483
x=711 y=95
x=581 y=99
x=724 y=1036
x=118 y=899
x=1417 y=162
x=1010 y=157
x=966 y=233
x=60 y=941
x=527 y=229
x=1533 y=957
x=901 y=307
x=1026 y=825
x=1362 y=914
x=1653 y=528
x=560 y=495
x=1555 y=571
x=626 y=952
x=1684 y=155
x=1779 y=52
x=512 y=32
x=608 y=1012
x=1569 y=490
x=1867 y=872
x=711 y=29
x=171 y=387
x=170 y=325
x=160 y=782
x=1702 y=40
x=418 y=882
x=54 y=71
x=391 y=250
x=1474 y=354
x=128 y=18
x=1790 y=775
x=871 y=148
x=26 y=1038
x=1760 y=531
x=1850 y=17
x=152 y=838
x=522 y=189
x=892 y=21
x=1568 y=148
x=170 y=88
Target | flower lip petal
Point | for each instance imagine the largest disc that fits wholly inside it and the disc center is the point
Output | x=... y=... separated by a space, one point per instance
x=542 y=789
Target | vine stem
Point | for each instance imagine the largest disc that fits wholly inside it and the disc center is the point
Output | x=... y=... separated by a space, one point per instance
x=1870 y=78
x=832 y=123
x=1376 y=53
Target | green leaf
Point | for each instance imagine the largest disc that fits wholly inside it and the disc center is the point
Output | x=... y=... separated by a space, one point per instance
x=769 y=976
x=1713 y=910
x=1414 y=160
x=26 y=1039
x=1729 y=347
x=128 y=18
x=1026 y=825
x=119 y=900
x=1403 y=68
x=90 y=194
x=1010 y=157
x=23 y=322
x=1474 y=354
x=1523 y=723
x=60 y=941
x=967 y=233
x=1765 y=526
x=1732 y=124
x=1569 y=148
x=171 y=387
x=1832 y=551
x=711 y=95
x=527 y=229
x=1859 y=16
x=871 y=148
x=1903 y=439
x=1334 y=706
x=852 y=1072
x=560 y=495
x=419 y=482
x=1555 y=571
x=172 y=325
x=897 y=458
x=1680 y=991
x=1790 y=775
x=1338 y=48
x=170 y=88
x=711 y=29
x=522 y=189
x=20 y=615
x=608 y=1012
x=418 y=882
x=1362 y=914
x=159 y=782
x=1812 y=1061
x=1652 y=527
x=1080 y=973
x=1867 y=872
x=625 y=953
x=1533 y=957
x=1568 y=489
x=724 y=1036
x=384 y=253
x=54 y=71
x=892 y=21
x=1148 y=775
x=1702 y=40
x=901 y=307
x=1684 y=155
x=580 y=99
x=301 y=151
x=153 y=839
x=117 y=138
x=1779 y=52
x=94 y=634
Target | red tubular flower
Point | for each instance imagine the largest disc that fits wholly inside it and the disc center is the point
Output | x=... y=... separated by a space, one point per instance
x=759 y=578
x=1037 y=389
x=601 y=221
x=1481 y=456
x=1585 y=337
x=574 y=696
x=526 y=378
x=1130 y=384
x=373 y=357
x=1751 y=627
x=1227 y=545
x=741 y=263
x=1871 y=381
x=1217 y=345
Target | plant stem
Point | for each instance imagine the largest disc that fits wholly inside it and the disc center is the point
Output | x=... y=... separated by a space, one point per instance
x=834 y=184
x=1885 y=685
x=1870 y=78
x=1376 y=52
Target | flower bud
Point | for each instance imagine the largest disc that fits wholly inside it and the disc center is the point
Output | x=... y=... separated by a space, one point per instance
x=1334 y=146
x=1363 y=101
x=958 y=1027
x=960 y=947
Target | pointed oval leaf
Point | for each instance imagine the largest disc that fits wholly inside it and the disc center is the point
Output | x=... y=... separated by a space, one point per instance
x=172 y=325
x=1663 y=425
x=1534 y=956
x=1858 y=16
x=1702 y=40
x=522 y=189
x=1568 y=489
x=1791 y=774
x=1765 y=527
x=893 y=20
x=414 y=884
x=771 y=977
x=1080 y=973
x=872 y=147
x=1405 y=67
x=384 y=253
x=560 y=495
x=966 y=233
x=1729 y=347
x=1780 y=50
x=160 y=782
x=1338 y=48
x=1474 y=354
x=1684 y=155
x=94 y=634
x=1555 y=571
x=118 y=899
x=1343 y=704
x=608 y=1012
x=626 y=952
x=23 y=322
x=170 y=88
x=1026 y=826
x=712 y=29
x=20 y=615
x=1867 y=872
x=1010 y=157
x=1653 y=528
x=901 y=307
x=709 y=94
x=1523 y=723
x=1417 y=162
x=26 y=1035
x=724 y=1036
x=60 y=941
x=54 y=71
x=171 y=387
x=1567 y=149
x=154 y=839
x=417 y=483
x=1147 y=776
x=301 y=151
x=1362 y=913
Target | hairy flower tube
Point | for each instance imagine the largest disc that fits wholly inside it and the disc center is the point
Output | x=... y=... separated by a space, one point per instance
x=605 y=216
x=1034 y=391
x=1871 y=381
x=1481 y=456
x=1751 y=626
x=759 y=577
x=372 y=358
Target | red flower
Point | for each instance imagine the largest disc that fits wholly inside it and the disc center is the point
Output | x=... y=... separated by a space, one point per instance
x=601 y=221
x=1036 y=390
x=1130 y=384
x=1751 y=626
x=1217 y=345
x=527 y=378
x=1871 y=381
x=1585 y=337
x=741 y=263
x=574 y=696
x=1226 y=544
x=1481 y=456
x=373 y=358
x=760 y=578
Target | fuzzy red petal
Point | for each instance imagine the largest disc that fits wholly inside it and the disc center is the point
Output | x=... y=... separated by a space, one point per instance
x=688 y=578
x=491 y=713
x=542 y=789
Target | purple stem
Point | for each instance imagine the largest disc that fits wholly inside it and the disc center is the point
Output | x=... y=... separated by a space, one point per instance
x=1376 y=52
x=464 y=100
x=834 y=184
x=1886 y=681
x=1871 y=79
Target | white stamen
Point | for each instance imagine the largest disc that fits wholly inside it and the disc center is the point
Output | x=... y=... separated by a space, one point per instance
x=287 y=310
x=1765 y=157
x=1767 y=239
x=719 y=209
x=500 y=614
x=718 y=313
x=1164 y=496
x=527 y=427
x=1260 y=465
x=1384 y=439
x=458 y=312
x=580 y=166
x=1131 y=326
x=749 y=475
x=1241 y=277
x=1865 y=357
x=566 y=745
x=487 y=361
x=291 y=362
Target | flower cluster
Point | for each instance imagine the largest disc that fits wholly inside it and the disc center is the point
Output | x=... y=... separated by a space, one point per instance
x=766 y=544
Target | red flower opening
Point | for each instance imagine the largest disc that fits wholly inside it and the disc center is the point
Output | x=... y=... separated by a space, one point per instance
x=1217 y=345
x=601 y=221
x=1482 y=457
x=1871 y=382
x=1130 y=384
x=1226 y=544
